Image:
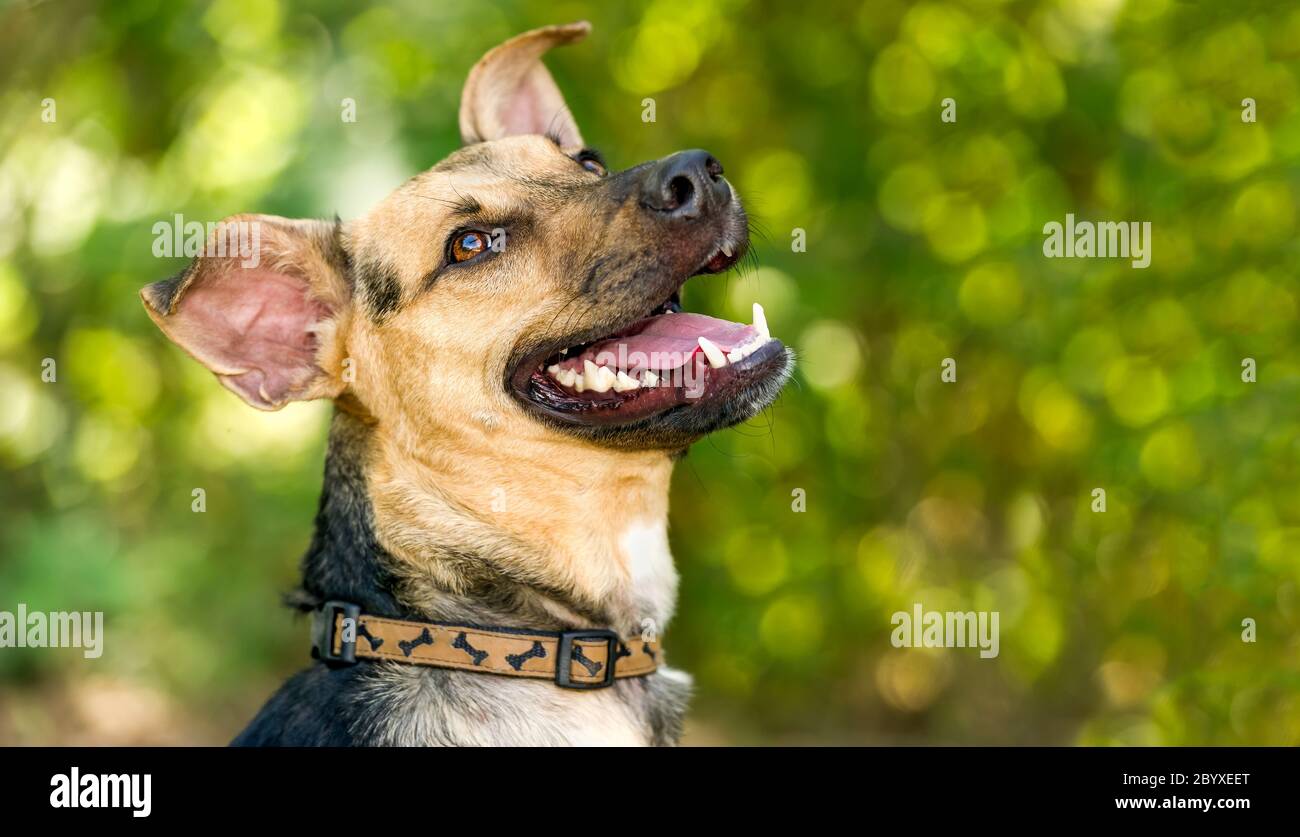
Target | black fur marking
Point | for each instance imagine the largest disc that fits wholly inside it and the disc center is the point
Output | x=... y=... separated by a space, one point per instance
x=466 y=207
x=164 y=293
x=337 y=254
x=375 y=642
x=592 y=281
x=319 y=707
x=517 y=660
x=593 y=668
x=463 y=644
x=409 y=645
x=364 y=705
x=380 y=288
x=345 y=560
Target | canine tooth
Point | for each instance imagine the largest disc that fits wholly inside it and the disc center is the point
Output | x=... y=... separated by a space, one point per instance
x=760 y=322
x=624 y=382
x=649 y=378
x=726 y=250
x=716 y=358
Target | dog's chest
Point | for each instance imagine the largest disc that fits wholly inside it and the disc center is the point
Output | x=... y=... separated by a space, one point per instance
x=422 y=707
x=429 y=707
x=644 y=548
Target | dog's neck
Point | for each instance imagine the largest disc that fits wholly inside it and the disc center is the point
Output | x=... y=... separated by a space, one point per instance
x=527 y=532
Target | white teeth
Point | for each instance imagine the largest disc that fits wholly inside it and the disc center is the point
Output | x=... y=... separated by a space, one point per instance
x=726 y=250
x=597 y=378
x=564 y=352
x=604 y=378
x=716 y=358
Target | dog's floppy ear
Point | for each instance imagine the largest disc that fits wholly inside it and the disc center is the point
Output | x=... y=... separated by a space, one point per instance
x=510 y=92
x=262 y=307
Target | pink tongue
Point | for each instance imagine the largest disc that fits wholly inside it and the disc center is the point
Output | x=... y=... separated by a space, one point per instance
x=669 y=340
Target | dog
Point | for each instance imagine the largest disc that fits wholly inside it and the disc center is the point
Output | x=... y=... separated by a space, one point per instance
x=513 y=379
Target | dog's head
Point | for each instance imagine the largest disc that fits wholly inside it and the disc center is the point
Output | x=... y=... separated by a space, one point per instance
x=517 y=287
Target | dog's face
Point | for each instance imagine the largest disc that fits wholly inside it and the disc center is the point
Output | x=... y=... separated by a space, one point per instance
x=517 y=287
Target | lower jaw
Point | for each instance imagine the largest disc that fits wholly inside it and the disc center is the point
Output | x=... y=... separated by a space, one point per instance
x=699 y=389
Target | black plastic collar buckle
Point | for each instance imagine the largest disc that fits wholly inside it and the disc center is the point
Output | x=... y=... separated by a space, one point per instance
x=564 y=661
x=322 y=633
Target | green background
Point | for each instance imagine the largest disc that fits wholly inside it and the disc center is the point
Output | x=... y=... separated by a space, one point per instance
x=924 y=242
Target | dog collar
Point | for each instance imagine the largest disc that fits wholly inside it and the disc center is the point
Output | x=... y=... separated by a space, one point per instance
x=586 y=659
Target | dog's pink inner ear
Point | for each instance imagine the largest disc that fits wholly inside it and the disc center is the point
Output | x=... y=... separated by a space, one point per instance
x=268 y=327
x=537 y=108
x=509 y=91
x=255 y=328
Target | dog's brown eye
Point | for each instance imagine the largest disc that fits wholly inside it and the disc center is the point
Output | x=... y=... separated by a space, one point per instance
x=591 y=161
x=467 y=245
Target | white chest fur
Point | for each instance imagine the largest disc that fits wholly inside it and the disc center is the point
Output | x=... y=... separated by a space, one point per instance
x=644 y=546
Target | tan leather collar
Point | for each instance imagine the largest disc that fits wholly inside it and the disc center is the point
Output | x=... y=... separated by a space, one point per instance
x=587 y=659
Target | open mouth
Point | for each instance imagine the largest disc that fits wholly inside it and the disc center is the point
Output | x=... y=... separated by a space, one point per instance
x=667 y=358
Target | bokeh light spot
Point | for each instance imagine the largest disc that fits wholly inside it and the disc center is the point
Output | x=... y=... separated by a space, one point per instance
x=830 y=354
x=1137 y=390
x=1170 y=458
x=991 y=294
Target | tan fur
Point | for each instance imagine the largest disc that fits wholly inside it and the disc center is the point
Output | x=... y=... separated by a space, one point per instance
x=488 y=496
x=456 y=466
x=451 y=444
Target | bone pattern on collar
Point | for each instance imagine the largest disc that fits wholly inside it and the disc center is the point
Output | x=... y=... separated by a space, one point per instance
x=495 y=651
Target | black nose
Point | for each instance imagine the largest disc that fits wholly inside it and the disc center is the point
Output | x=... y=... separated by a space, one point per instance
x=686 y=185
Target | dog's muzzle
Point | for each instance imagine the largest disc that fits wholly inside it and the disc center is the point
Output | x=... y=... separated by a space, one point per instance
x=586 y=659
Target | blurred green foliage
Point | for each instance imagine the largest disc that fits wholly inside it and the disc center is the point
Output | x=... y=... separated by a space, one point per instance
x=924 y=243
